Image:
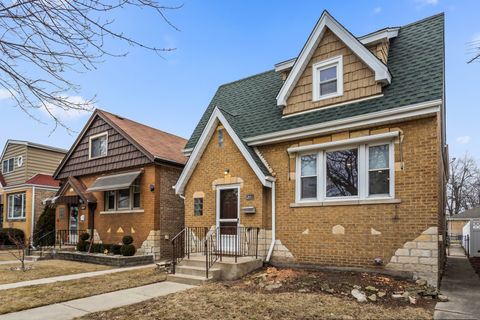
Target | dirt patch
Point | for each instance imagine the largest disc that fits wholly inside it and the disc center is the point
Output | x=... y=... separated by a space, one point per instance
x=340 y=284
x=475 y=262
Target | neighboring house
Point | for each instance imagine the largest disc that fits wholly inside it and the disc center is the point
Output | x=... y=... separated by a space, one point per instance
x=27 y=170
x=2 y=184
x=338 y=155
x=117 y=180
x=456 y=222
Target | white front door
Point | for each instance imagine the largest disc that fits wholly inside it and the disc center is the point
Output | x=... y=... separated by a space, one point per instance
x=228 y=218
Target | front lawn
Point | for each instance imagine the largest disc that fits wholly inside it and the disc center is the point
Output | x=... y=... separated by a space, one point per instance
x=45 y=269
x=284 y=294
x=39 y=295
x=6 y=256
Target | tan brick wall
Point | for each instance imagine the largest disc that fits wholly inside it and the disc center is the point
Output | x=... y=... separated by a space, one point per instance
x=369 y=231
x=359 y=80
x=210 y=170
x=112 y=227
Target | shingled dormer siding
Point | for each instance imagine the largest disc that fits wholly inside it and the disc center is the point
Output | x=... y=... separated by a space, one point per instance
x=121 y=153
x=358 y=80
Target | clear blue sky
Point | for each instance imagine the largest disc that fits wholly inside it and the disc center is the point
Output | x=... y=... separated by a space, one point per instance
x=221 y=41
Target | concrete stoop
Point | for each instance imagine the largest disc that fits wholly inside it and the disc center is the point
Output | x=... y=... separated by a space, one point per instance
x=192 y=271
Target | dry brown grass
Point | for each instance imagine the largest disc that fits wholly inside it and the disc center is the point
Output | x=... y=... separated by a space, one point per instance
x=217 y=301
x=35 y=296
x=6 y=256
x=46 y=269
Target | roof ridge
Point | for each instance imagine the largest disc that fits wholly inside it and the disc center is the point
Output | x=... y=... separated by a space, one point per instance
x=141 y=124
x=246 y=78
x=423 y=20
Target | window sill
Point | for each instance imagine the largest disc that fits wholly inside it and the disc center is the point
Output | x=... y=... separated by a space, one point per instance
x=16 y=219
x=354 y=202
x=123 y=211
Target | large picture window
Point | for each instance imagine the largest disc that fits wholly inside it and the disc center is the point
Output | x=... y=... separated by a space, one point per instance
x=124 y=199
x=16 y=206
x=354 y=172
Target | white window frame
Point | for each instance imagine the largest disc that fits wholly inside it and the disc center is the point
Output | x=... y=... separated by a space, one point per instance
x=363 y=167
x=13 y=166
x=10 y=206
x=322 y=65
x=90 y=145
x=116 y=197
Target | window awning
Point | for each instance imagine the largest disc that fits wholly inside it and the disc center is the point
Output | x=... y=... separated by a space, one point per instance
x=114 y=182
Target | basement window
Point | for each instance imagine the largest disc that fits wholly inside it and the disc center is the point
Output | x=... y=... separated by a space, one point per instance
x=327 y=79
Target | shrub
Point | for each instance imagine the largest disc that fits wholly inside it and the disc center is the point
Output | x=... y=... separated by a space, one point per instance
x=16 y=233
x=84 y=236
x=83 y=246
x=127 y=240
x=44 y=234
x=116 y=248
x=98 y=248
x=128 y=250
x=108 y=247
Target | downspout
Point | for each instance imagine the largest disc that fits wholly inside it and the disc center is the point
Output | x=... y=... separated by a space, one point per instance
x=33 y=215
x=272 y=244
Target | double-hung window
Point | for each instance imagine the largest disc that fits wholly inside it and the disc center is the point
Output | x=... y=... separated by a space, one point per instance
x=327 y=78
x=16 y=206
x=98 y=145
x=359 y=172
x=8 y=165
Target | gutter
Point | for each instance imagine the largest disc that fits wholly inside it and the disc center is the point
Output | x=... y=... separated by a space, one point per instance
x=33 y=214
x=272 y=244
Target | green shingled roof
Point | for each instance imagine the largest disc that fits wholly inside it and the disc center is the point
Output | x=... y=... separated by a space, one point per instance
x=415 y=61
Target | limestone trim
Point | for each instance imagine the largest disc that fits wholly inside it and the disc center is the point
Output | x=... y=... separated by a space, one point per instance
x=151 y=246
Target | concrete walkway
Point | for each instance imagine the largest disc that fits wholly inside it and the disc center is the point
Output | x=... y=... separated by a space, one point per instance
x=462 y=287
x=68 y=277
x=102 y=302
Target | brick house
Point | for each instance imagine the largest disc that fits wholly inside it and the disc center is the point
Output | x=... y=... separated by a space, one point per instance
x=338 y=155
x=26 y=180
x=117 y=180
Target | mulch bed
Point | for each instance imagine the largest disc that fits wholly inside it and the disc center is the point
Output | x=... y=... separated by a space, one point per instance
x=336 y=283
x=475 y=261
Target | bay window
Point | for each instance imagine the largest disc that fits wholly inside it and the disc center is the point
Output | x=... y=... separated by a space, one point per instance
x=359 y=172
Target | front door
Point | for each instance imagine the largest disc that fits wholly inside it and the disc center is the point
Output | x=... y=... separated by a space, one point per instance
x=228 y=219
x=73 y=225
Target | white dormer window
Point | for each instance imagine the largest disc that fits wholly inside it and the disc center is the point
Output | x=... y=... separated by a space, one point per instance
x=98 y=145
x=327 y=78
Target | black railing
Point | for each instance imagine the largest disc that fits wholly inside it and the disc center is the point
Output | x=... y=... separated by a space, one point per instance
x=466 y=245
x=68 y=237
x=188 y=241
x=216 y=244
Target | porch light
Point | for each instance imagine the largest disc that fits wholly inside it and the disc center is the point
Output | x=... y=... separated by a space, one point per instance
x=226 y=171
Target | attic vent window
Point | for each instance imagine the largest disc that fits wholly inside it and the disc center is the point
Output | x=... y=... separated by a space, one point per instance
x=327 y=78
x=98 y=145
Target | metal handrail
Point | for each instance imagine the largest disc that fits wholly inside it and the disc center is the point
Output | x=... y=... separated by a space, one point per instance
x=68 y=237
x=189 y=240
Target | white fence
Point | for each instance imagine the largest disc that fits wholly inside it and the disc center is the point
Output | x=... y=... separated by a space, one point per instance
x=471 y=238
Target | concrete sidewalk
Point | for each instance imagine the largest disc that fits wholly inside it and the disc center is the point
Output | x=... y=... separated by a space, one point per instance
x=77 y=308
x=462 y=287
x=68 y=277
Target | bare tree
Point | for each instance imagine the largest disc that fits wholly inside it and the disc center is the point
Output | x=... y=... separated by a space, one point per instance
x=463 y=187
x=473 y=49
x=42 y=40
x=21 y=248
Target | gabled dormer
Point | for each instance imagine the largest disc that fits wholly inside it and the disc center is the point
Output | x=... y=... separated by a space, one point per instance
x=334 y=67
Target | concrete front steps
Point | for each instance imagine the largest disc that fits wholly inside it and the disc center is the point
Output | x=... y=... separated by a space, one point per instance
x=192 y=271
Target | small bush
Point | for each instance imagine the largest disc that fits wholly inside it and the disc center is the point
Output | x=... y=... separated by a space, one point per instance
x=116 y=248
x=128 y=250
x=44 y=234
x=83 y=246
x=97 y=248
x=127 y=240
x=16 y=233
x=108 y=247
x=85 y=236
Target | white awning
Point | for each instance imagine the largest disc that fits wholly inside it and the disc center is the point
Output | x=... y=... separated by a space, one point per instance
x=114 y=182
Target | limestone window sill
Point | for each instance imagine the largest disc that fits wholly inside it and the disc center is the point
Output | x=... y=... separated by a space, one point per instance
x=354 y=202
x=123 y=211
x=16 y=219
